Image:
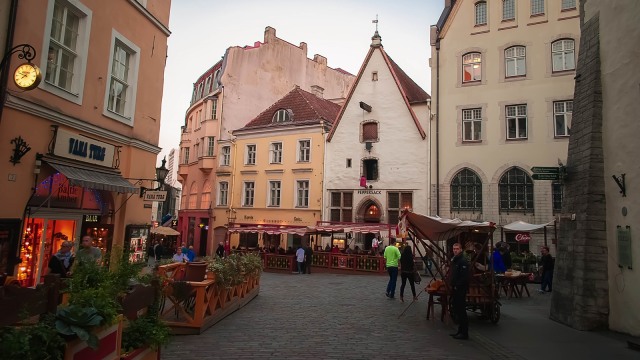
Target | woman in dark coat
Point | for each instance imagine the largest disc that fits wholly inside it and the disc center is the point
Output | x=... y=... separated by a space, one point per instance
x=408 y=267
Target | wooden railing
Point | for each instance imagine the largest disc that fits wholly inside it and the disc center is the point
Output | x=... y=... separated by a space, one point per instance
x=347 y=262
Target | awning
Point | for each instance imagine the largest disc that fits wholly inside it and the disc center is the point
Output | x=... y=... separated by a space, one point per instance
x=91 y=176
x=521 y=226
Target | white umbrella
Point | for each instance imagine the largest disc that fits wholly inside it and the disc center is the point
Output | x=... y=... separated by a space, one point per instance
x=163 y=230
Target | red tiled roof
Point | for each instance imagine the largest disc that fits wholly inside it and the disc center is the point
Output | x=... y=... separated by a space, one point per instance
x=306 y=108
x=412 y=91
x=206 y=74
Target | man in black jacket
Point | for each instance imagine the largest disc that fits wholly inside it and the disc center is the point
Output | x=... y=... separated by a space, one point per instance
x=460 y=285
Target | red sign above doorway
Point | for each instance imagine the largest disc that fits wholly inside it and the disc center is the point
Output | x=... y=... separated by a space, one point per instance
x=523 y=237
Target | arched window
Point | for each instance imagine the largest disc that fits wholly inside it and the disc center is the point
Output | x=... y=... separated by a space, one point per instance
x=515 y=61
x=472 y=67
x=563 y=55
x=481 y=13
x=516 y=191
x=508 y=9
x=193 y=196
x=205 y=200
x=466 y=191
x=282 y=115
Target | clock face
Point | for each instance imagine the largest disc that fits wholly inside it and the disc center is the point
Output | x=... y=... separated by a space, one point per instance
x=27 y=76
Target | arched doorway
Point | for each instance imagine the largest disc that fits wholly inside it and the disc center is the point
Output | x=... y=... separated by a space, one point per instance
x=370 y=211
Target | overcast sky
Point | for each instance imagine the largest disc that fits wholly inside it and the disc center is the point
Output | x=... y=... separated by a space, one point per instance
x=340 y=30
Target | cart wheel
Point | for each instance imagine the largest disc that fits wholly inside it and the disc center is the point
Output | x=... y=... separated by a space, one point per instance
x=494 y=312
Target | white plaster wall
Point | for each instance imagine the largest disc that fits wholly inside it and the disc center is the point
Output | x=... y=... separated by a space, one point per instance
x=401 y=151
x=620 y=94
x=494 y=155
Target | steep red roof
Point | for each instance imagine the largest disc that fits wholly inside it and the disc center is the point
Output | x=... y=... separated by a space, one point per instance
x=305 y=107
x=412 y=91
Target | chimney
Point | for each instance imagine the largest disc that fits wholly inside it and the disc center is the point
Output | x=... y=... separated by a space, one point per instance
x=303 y=46
x=320 y=59
x=317 y=91
x=269 y=34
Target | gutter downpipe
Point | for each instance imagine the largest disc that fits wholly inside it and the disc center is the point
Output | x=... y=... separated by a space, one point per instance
x=438 y=126
x=4 y=77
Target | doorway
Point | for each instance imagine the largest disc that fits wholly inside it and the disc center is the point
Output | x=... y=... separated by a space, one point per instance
x=204 y=236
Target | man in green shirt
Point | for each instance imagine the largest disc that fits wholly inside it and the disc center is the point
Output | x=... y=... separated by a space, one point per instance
x=391 y=257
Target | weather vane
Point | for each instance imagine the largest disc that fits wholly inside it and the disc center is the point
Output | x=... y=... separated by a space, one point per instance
x=376 y=22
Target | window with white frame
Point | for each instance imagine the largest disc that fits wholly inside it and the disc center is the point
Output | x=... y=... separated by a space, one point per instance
x=563 y=55
x=282 y=115
x=568 y=4
x=196 y=149
x=223 y=193
x=481 y=13
x=562 y=117
x=472 y=67
x=275 y=189
x=537 y=7
x=214 y=109
x=516 y=122
x=211 y=144
x=471 y=124
x=121 y=93
x=515 y=61
x=304 y=150
x=276 y=153
x=515 y=191
x=250 y=155
x=508 y=9
x=302 y=193
x=225 y=157
x=185 y=155
x=248 y=193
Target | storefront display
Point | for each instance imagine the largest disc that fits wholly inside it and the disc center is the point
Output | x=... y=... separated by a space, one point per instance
x=136 y=242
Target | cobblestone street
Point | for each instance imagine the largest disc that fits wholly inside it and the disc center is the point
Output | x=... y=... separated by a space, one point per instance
x=331 y=316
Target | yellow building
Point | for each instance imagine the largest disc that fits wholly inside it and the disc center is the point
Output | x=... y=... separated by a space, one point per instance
x=276 y=183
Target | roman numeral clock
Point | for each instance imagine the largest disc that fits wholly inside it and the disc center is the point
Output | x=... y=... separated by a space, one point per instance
x=27 y=76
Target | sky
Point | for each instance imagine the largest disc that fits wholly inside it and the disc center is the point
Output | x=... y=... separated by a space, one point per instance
x=340 y=30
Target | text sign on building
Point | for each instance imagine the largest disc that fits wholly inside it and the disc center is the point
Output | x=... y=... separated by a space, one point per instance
x=543 y=176
x=523 y=237
x=545 y=170
x=155 y=196
x=82 y=148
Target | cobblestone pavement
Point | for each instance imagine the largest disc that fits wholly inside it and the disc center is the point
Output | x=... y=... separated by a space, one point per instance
x=328 y=316
x=335 y=316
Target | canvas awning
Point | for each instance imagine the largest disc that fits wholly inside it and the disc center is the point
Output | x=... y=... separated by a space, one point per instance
x=435 y=228
x=91 y=176
x=521 y=226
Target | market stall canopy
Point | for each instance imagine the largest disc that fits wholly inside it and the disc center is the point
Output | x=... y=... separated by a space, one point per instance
x=436 y=228
x=521 y=226
x=163 y=230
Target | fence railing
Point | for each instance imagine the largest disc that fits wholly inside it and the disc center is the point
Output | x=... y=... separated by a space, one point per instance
x=346 y=262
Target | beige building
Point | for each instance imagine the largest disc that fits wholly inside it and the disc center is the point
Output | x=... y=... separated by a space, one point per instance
x=235 y=90
x=276 y=182
x=92 y=123
x=502 y=86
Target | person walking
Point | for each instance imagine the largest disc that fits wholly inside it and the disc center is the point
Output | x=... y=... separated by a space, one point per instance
x=374 y=245
x=300 y=258
x=308 y=256
x=408 y=267
x=220 y=250
x=460 y=285
x=547 y=270
x=391 y=257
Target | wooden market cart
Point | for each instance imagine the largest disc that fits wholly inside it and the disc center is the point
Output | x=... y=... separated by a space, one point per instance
x=434 y=238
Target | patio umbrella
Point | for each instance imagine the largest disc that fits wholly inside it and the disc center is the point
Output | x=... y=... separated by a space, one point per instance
x=163 y=230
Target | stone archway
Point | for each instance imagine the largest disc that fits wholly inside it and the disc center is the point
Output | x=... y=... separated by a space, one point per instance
x=369 y=210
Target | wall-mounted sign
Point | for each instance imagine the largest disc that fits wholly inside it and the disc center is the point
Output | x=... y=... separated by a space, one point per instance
x=91 y=218
x=148 y=206
x=174 y=223
x=155 y=196
x=523 y=237
x=82 y=148
x=370 y=192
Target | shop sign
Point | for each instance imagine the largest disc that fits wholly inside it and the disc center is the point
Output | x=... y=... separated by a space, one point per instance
x=523 y=237
x=148 y=206
x=370 y=192
x=155 y=196
x=91 y=218
x=82 y=148
x=174 y=223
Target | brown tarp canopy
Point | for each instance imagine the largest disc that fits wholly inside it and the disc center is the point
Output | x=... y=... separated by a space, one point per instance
x=435 y=228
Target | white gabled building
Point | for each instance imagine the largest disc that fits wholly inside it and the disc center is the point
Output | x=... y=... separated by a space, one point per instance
x=381 y=135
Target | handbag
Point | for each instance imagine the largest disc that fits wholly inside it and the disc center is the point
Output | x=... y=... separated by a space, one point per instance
x=416 y=277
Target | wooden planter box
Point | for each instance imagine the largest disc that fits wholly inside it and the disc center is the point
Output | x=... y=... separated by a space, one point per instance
x=109 y=349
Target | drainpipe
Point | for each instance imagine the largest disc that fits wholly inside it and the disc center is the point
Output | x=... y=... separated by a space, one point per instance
x=4 y=77
x=438 y=127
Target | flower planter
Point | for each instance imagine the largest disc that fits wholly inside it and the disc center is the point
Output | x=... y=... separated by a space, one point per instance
x=211 y=275
x=109 y=347
x=144 y=353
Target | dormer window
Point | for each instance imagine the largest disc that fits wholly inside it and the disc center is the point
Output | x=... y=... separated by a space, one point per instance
x=282 y=115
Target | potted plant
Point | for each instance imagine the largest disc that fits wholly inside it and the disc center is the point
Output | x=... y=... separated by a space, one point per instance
x=33 y=341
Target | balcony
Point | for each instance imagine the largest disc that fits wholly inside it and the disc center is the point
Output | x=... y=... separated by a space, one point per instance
x=185 y=137
x=206 y=163
x=183 y=171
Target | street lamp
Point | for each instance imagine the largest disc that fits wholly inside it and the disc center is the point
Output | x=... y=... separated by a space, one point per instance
x=161 y=174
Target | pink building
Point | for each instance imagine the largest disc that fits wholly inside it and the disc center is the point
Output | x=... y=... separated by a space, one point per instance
x=90 y=128
x=235 y=90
